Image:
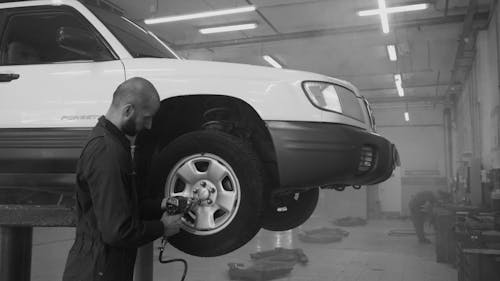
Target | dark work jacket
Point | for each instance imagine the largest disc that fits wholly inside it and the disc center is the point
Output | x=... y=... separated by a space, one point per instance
x=111 y=212
x=419 y=200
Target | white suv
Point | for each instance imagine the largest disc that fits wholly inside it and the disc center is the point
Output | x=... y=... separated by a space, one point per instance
x=252 y=144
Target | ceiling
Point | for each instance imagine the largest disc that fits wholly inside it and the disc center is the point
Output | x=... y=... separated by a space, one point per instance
x=328 y=37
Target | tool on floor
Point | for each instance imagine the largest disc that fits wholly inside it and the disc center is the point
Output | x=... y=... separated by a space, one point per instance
x=405 y=232
x=260 y=271
x=323 y=235
x=281 y=254
x=349 y=221
x=268 y=265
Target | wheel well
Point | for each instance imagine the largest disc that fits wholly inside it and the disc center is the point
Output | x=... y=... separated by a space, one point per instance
x=183 y=114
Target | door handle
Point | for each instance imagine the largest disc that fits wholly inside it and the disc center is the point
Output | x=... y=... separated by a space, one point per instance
x=7 y=77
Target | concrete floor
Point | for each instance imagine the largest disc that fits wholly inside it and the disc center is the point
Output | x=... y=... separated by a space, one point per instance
x=367 y=254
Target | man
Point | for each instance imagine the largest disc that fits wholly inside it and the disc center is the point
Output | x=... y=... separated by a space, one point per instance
x=110 y=217
x=421 y=208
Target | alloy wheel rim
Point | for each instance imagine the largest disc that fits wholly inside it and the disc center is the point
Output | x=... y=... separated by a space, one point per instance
x=211 y=181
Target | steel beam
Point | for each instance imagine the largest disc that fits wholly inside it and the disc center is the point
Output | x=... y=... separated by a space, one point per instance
x=406 y=86
x=34 y=215
x=407 y=99
x=410 y=125
x=328 y=32
x=466 y=45
x=350 y=76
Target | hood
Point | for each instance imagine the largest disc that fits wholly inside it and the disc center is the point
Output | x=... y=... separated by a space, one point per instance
x=207 y=69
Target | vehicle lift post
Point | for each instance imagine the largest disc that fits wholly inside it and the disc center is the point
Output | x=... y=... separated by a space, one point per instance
x=16 y=239
x=15 y=252
x=16 y=235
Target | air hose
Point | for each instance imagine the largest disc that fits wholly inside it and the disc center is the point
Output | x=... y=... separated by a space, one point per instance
x=160 y=258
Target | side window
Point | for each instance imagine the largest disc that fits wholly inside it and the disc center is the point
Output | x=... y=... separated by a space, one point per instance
x=50 y=37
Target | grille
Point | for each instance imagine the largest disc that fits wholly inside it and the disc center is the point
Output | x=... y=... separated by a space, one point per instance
x=367 y=159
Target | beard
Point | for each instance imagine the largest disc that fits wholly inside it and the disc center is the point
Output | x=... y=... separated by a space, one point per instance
x=129 y=127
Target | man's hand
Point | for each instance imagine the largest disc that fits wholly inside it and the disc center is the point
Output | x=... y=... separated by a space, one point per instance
x=164 y=204
x=171 y=224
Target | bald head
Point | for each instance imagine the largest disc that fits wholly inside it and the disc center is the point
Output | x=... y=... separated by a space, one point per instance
x=137 y=91
x=134 y=104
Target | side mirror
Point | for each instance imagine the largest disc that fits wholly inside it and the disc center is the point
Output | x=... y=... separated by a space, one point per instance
x=78 y=41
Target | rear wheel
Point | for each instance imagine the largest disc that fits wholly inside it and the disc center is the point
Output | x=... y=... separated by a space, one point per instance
x=289 y=211
x=223 y=174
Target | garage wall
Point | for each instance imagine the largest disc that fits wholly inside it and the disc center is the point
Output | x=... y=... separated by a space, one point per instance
x=476 y=115
x=477 y=112
x=488 y=98
x=390 y=194
x=338 y=204
x=421 y=146
x=420 y=142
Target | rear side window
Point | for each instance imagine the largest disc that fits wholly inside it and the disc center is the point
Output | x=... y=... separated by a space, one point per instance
x=350 y=103
x=49 y=37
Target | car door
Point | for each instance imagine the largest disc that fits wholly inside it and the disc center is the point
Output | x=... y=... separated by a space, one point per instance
x=55 y=69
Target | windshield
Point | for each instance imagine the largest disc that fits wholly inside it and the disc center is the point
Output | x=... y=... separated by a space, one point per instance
x=139 y=42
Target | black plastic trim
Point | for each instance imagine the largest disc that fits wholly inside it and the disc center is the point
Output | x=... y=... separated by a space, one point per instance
x=312 y=154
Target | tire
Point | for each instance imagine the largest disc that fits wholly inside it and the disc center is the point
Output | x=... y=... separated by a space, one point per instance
x=299 y=207
x=224 y=173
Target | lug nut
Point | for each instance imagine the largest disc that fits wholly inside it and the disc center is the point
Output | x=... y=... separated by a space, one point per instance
x=209 y=201
x=203 y=184
x=195 y=191
x=212 y=190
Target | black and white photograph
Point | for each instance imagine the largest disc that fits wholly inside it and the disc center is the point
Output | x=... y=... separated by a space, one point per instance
x=251 y=140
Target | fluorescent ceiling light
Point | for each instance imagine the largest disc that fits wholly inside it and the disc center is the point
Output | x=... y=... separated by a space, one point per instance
x=227 y=28
x=383 y=16
x=399 y=86
x=272 y=61
x=215 y=13
x=399 y=9
x=401 y=92
x=397 y=80
x=391 y=51
x=407 y=116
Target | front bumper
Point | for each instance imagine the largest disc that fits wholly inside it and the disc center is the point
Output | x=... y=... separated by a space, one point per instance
x=318 y=154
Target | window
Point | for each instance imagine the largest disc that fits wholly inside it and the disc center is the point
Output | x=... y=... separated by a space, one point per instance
x=139 y=42
x=50 y=37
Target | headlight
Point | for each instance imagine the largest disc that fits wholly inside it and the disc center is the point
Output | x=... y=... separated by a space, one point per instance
x=336 y=98
x=323 y=95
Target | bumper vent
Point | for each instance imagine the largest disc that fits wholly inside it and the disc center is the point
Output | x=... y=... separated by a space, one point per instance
x=367 y=159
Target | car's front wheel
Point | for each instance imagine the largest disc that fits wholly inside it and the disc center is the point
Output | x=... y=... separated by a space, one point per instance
x=289 y=211
x=222 y=173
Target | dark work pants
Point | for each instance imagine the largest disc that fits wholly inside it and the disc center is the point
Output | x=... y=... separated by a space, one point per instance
x=91 y=260
x=418 y=219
